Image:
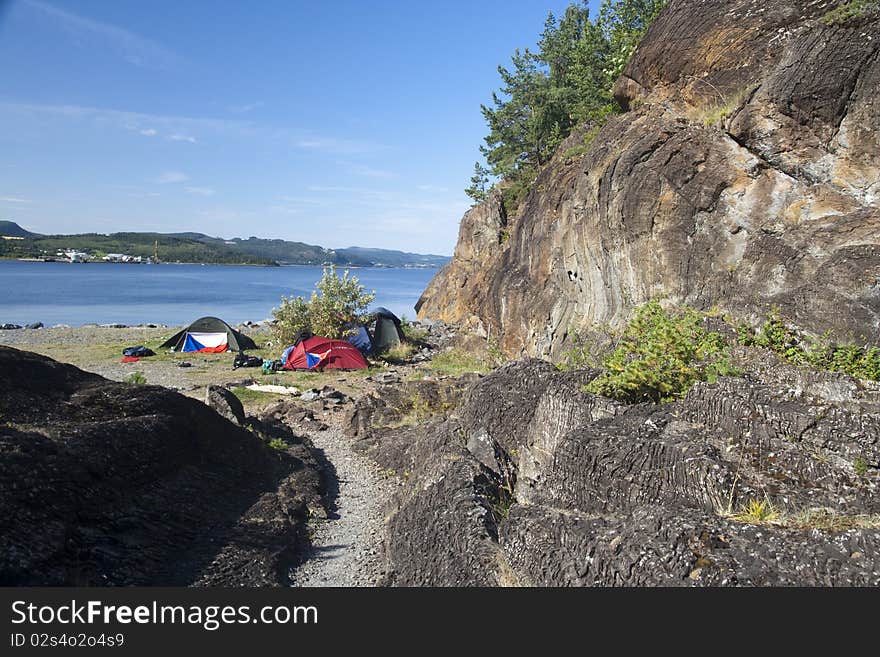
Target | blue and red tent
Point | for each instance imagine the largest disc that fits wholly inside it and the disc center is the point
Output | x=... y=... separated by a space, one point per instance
x=317 y=353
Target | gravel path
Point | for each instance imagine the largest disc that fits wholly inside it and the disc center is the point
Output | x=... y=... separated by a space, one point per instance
x=347 y=546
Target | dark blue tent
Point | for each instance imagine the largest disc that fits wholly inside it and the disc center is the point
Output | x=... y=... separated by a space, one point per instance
x=379 y=333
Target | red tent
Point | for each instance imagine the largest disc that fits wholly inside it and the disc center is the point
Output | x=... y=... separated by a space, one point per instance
x=317 y=353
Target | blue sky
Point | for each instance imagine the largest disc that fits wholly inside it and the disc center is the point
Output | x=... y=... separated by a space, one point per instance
x=340 y=124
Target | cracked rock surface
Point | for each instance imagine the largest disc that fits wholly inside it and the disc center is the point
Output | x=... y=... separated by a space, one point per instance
x=531 y=481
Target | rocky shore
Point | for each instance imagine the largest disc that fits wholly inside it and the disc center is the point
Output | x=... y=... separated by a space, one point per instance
x=522 y=478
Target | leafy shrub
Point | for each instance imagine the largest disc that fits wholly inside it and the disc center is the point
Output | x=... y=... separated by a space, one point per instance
x=661 y=355
x=859 y=361
x=136 y=378
x=277 y=443
x=336 y=302
x=291 y=318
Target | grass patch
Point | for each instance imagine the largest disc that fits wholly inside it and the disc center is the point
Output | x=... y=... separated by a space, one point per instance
x=860 y=466
x=756 y=512
x=246 y=396
x=581 y=149
x=420 y=410
x=399 y=353
x=457 y=361
x=827 y=520
x=848 y=11
x=277 y=443
x=411 y=333
x=136 y=378
x=661 y=354
x=715 y=114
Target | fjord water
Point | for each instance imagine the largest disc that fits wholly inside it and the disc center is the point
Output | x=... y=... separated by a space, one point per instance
x=76 y=294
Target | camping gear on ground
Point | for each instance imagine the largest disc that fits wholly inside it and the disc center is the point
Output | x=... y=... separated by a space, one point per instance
x=361 y=339
x=244 y=360
x=279 y=390
x=317 y=353
x=378 y=334
x=134 y=354
x=272 y=366
x=138 y=352
x=209 y=335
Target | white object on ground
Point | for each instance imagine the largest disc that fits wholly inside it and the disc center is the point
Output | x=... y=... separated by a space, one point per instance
x=281 y=390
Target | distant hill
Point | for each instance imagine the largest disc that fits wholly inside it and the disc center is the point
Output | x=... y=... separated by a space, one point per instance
x=391 y=258
x=12 y=229
x=200 y=248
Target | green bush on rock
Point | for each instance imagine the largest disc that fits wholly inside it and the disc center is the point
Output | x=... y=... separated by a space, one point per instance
x=661 y=355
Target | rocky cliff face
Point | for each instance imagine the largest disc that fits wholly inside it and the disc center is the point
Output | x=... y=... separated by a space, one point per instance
x=744 y=174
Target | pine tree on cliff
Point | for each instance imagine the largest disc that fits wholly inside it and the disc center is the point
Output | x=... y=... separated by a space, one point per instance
x=544 y=95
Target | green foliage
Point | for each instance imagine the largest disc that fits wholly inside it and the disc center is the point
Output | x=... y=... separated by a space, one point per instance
x=588 y=348
x=479 y=184
x=582 y=148
x=399 y=353
x=829 y=520
x=277 y=443
x=852 y=9
x=291 y=318
x=457 y=361
x=336 y=302
x=513 y=192
x=859 y=361
x=757 y=512
x=410 y=332
x=136 y=378
x=198 y=248
x=661 y=355
x=545 y=94
x=860 y=466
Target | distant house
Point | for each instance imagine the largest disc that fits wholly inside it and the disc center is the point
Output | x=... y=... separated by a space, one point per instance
x=122 y=257
x=74 y=256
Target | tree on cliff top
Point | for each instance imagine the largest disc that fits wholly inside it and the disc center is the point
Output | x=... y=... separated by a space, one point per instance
x=568 y=81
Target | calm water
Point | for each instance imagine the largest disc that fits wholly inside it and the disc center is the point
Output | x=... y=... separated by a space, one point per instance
x=75 y=294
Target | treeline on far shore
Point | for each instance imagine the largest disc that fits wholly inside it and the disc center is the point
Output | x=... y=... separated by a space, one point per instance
x=198 y=248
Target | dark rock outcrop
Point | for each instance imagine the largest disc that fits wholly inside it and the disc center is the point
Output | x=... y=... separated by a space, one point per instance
x=531 y=480
x=103 y=483
x=225 y=403
x=744 y=174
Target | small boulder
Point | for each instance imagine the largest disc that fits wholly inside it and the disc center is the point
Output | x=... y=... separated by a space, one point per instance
x=225 y=403
x=35 y=325
x=310 y=395
x=387 y=377
x=332 y=394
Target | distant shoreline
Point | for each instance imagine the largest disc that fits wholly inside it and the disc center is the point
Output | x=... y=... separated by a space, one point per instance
x=223 y=264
